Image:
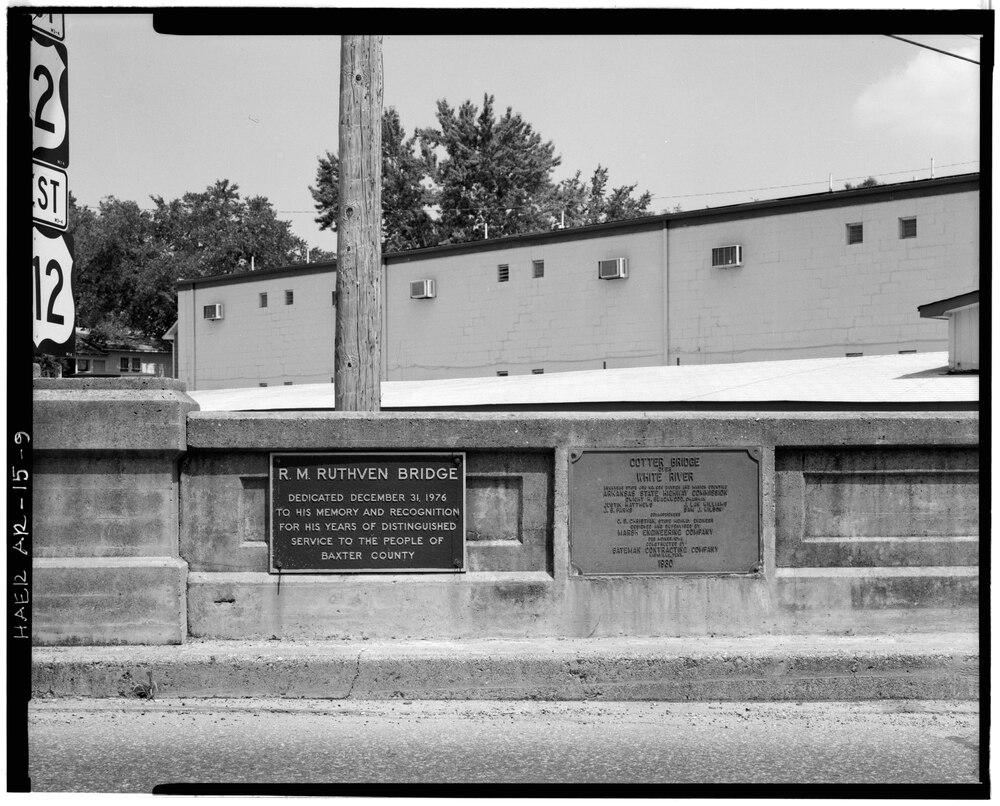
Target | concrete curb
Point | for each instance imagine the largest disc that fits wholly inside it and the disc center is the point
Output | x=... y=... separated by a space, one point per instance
x=931 y=667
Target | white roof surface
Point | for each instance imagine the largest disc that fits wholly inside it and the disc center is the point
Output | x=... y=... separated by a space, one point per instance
x=886 y=379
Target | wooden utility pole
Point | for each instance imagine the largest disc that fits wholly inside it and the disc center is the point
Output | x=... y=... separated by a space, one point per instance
x=358 y=350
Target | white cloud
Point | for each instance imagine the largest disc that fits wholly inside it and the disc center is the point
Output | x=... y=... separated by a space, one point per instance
x=934 y=96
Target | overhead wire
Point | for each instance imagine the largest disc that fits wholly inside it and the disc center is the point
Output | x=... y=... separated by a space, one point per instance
x=666 y=197
x=928 y=47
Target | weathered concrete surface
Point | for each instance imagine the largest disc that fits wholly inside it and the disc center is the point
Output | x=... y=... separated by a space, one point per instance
x=307 y=430
x=104 y=504
x=109 y=600
x=109 y=414
x=105 y=497
x=925 y=666
x=848 y=501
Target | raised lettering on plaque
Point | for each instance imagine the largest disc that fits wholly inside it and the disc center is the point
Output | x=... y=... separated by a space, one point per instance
x=669 y=511
x=367 y=512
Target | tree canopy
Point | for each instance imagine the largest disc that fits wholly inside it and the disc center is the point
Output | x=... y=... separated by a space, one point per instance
x=127 y=260
x=870 y=182
x=475 y=175
x=406 y=223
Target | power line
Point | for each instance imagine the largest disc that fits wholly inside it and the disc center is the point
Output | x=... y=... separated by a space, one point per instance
x=807 y=184
x=668 y=197
x=928 y=47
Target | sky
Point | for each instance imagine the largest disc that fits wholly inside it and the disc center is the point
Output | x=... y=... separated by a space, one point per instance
x=697 y=120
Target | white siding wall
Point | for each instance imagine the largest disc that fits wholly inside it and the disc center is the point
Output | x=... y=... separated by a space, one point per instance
x=804 y=292
x=567 y=320
x=964 y=339
x=253 y=345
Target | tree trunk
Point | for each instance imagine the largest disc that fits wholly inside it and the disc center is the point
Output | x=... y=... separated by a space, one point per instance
x=358 y=352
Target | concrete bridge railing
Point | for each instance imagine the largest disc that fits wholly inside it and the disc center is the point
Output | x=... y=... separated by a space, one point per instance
x=151 y=524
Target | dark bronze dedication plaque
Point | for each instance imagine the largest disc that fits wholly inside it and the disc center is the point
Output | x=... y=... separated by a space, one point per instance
x=367 y=512
x=669 y=511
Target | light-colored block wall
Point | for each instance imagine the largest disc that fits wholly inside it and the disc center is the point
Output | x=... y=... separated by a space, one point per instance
x=567 y=320
x=804 y=292
x=253 y=345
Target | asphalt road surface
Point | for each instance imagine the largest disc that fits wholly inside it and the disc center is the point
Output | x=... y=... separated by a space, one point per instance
x=131 y=746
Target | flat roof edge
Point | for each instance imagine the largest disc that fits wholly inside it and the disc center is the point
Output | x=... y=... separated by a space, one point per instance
x=935 y=309
x=296 y=270
x=951 y=183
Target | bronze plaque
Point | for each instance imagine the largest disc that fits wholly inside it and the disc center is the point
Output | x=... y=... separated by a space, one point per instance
x=367 y=512
x=665 y=511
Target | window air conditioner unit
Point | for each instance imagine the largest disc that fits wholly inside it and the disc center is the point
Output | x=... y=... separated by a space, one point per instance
x=615 y=269
x=213 y=311
x=727 y=257
x=422 y=289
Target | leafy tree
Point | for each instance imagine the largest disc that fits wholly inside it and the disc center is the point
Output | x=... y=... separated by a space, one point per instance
x=127 y=260
x=578 y=203
x=495 y=175
x=112 y=246
x=870 y=182
x=216 y=232
x=482 y=175
x=406 y=224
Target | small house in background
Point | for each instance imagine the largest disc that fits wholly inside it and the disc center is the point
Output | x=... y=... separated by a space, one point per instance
x=962 y=313
x=126 y=356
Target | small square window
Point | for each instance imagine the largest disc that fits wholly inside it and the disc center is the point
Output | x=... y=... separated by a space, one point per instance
x=263 y=300
x=136 y=364
x=537 y=268
x=855 y=233
x=503 y=273
x=123 y=365
x=908 y=227
x=289 y=297
x=82 y=365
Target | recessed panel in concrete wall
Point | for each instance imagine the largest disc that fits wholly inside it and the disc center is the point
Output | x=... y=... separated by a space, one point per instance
x=509 y=511
x=223 y=523
x=878 y=508
x=665 y=511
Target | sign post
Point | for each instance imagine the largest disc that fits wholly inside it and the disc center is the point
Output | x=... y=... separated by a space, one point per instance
x=53 y=310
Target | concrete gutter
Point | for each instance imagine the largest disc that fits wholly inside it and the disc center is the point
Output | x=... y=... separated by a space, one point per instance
x=914 y=666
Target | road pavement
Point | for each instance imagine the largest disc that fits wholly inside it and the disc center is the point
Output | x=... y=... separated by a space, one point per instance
x=118 y=745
